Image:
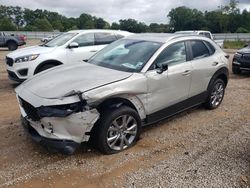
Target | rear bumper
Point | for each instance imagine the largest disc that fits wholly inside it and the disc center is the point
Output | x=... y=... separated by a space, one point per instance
x=63 y=146
x=21 y=43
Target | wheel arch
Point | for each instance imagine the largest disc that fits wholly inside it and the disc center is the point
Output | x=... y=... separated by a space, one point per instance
x=51 y=61
x=130 y=101
x=222 y=73
x=11 y=40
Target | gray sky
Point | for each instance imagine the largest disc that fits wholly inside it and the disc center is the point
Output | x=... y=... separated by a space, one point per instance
x=147 y=11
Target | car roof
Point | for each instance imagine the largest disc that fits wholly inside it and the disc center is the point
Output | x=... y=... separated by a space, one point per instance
x=163 y=37
x=192 y=31
x=100 y=30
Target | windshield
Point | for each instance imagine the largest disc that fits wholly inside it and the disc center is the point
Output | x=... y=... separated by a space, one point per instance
x=60 y=40
x=128 y=55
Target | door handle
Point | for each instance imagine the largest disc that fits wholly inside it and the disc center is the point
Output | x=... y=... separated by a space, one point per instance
x=186 y=72
x=215 y=63
x=93 y=51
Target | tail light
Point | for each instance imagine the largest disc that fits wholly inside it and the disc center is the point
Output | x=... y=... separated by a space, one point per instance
x=22 y=37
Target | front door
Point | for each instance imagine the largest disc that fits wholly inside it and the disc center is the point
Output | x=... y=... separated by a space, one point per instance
x=172 y=86
x=85 y=49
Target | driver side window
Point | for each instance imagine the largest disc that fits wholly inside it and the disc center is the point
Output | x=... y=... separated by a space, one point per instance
x=85 y=40
x=173 y=54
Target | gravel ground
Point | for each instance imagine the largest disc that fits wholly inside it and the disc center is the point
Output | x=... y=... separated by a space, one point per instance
x=197 y=148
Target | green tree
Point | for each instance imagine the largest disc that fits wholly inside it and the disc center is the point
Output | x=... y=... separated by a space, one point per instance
x=42 y=25
x=132 y=25
x=7 y=25
x=85 y=21
x=115 y=26
x=183 y=18
x=242 y=30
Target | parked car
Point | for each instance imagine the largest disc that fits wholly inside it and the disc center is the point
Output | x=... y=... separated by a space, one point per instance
x=11 y=41
x=69 y=47
x=241 y=60
x=135 y=81
x=207 y=34
x=46 y=39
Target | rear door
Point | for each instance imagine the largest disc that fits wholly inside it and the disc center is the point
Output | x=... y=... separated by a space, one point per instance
x=204 y=64
x=103 y=39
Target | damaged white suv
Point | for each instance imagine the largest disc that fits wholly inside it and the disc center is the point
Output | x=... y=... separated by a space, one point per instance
x=135 y=81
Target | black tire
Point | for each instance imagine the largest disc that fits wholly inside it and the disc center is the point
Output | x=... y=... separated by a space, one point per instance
x=45 y=67
x=236 y=70
x=215 y=94
x=12 y=45
x=105 y=129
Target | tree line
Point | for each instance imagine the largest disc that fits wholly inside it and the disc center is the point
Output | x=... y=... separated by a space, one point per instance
x=224 y=19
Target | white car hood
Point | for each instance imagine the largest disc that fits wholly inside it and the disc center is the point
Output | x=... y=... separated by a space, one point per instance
x=60 y=81
x=30 y=50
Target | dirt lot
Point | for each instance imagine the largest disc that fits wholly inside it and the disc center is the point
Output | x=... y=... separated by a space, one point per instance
x=197 y=148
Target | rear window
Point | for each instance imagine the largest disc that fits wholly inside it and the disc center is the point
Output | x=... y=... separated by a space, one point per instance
x=104 y=38
x=210 y=46
x=199 y=49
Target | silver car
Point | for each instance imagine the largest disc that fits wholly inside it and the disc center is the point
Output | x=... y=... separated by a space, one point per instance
x=133 y=82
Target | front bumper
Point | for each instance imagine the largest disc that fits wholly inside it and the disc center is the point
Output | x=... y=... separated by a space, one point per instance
x=241 y=62
x=19 y=72
x=61 y=133
x=63 y=146
x=12 y=76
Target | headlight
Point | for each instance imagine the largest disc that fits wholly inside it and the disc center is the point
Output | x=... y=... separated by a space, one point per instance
x=26 y=58
x=238 y=54
x=60 y=110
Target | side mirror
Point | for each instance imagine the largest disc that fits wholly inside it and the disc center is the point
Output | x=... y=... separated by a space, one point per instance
x=73 y=45
x=161 y=68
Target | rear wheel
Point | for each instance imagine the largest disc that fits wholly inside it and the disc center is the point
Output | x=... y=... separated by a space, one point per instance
x=117 y=130
x=216 y=94
x=12 y=45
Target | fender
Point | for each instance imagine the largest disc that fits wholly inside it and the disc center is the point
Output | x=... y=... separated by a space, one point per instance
x=222 y=73
x=129 y=100
x=51 y=61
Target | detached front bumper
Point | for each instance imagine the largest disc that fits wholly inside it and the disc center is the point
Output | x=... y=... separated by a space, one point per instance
x=64 y=146
x=61 y=133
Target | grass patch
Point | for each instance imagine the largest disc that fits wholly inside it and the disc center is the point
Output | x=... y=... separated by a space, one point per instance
x=234 y=44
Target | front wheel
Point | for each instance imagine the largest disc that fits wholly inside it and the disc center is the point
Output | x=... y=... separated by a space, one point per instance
x=118 y=129
x=216 y=94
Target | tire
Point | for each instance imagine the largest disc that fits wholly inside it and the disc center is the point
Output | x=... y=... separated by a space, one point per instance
x=12 y=45
x=216 y=94
x=112 y=135
x=45 y=67
x=236 y=70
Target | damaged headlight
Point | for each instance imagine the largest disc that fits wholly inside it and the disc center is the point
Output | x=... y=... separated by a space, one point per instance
x=61 y=110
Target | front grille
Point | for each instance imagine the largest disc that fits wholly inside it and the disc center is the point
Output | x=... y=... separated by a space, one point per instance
x=9 y=61
x=30 y=110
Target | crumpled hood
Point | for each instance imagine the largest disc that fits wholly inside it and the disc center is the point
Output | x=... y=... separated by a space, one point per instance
x=62 y=80
x=30 y=50
x=244 y=50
